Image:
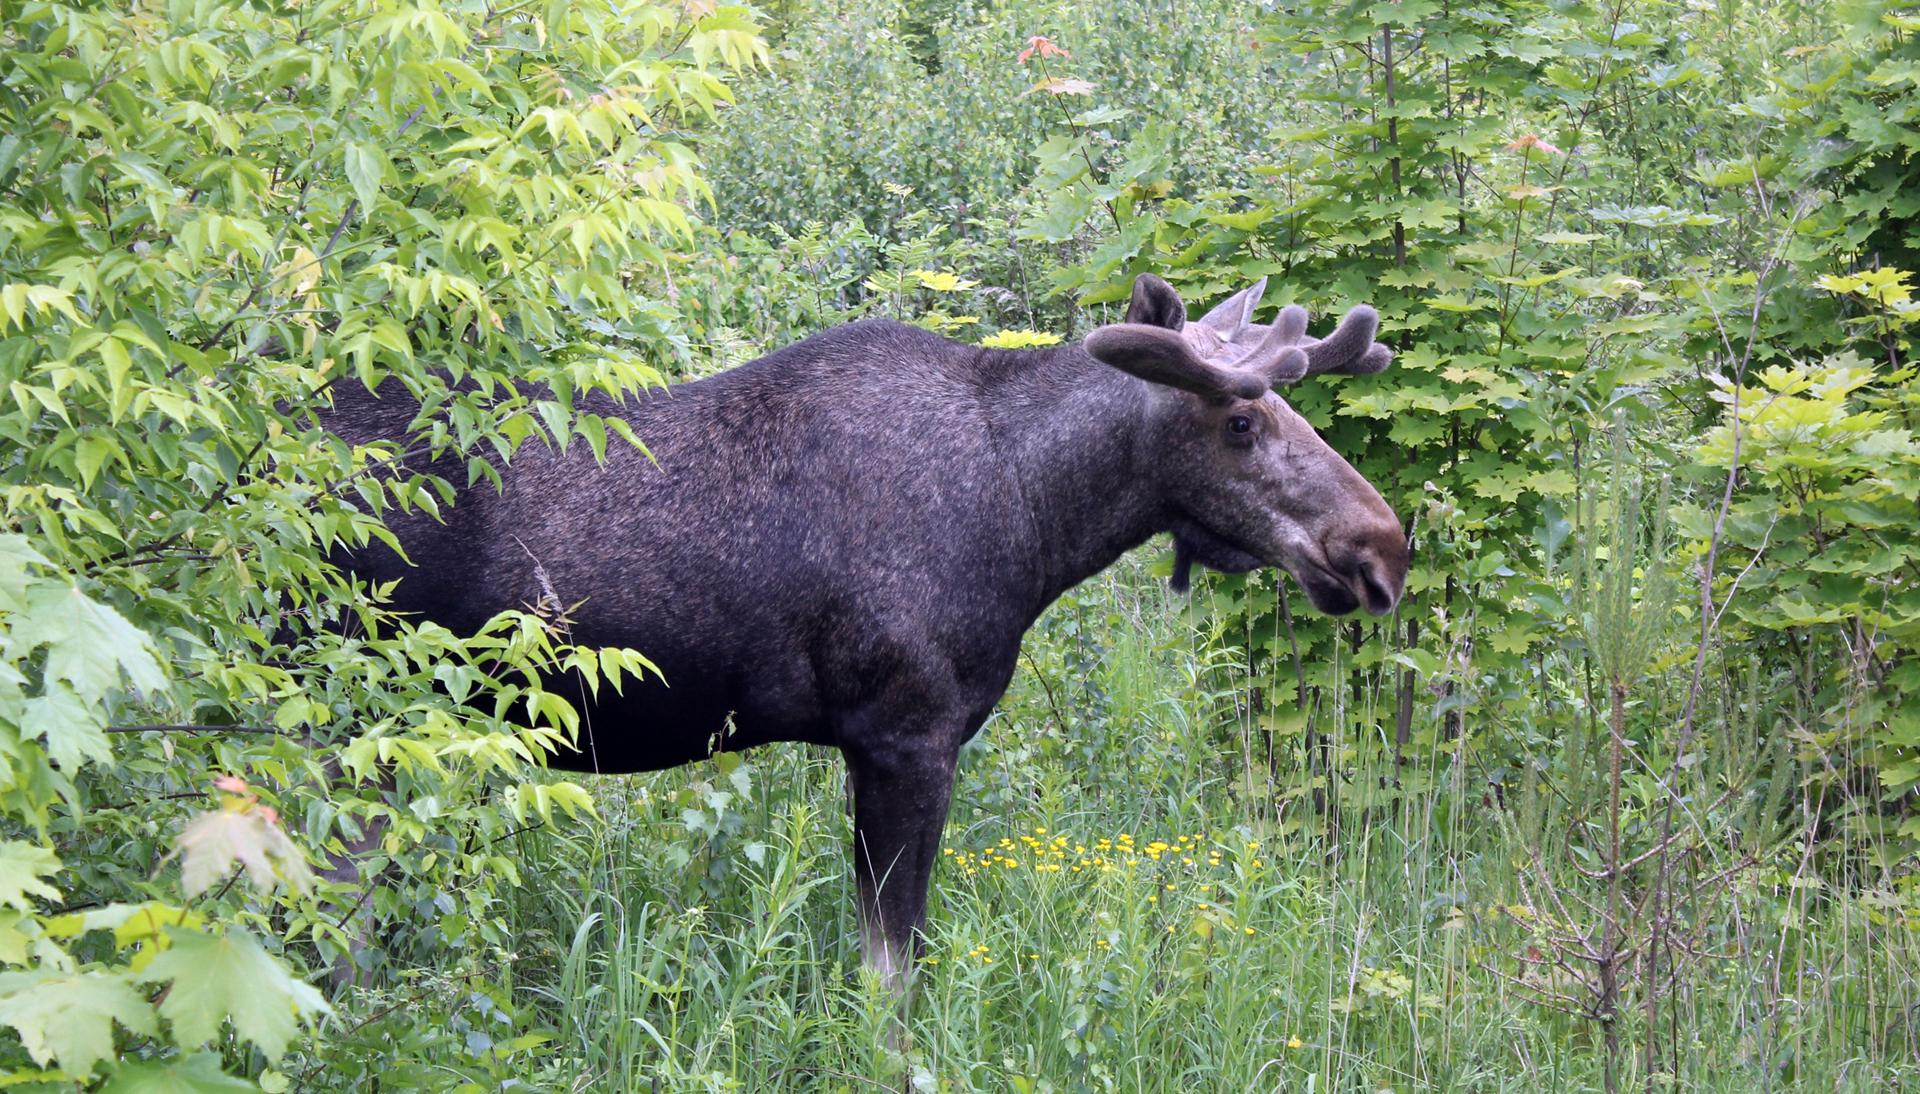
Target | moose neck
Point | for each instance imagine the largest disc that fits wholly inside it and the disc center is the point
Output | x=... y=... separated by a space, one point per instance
x=1075 y=433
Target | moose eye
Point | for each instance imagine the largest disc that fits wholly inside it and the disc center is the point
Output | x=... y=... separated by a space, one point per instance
x=1239 y=423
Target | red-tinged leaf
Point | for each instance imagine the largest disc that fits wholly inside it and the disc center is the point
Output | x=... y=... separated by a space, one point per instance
x=1530 y=142
x=1042 y=45
x=212 y=843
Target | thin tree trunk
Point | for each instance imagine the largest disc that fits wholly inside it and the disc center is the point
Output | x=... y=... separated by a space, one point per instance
x=1610 y=942
x=1393 y=139
x=1403 y=711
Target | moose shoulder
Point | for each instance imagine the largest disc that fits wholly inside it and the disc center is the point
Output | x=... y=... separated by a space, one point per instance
x=844 y=541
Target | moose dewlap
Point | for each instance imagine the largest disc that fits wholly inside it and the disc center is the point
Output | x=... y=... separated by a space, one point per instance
x=844 y=541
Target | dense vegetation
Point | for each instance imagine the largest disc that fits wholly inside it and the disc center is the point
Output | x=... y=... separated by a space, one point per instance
x=1624 y=794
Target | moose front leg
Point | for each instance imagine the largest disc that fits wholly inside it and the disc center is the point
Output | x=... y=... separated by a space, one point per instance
x=901 y=786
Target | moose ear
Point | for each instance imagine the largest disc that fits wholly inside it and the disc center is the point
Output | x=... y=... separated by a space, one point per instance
x=1161 y=356
x=1235 y=314
x=1155 y=304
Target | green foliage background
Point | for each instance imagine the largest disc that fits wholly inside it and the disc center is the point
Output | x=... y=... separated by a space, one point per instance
x=1612 y=242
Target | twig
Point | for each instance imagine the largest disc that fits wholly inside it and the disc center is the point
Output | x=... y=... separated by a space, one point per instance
x=1709 y=615
x=1047 y=686
x=1093 y=173
x=199 y=728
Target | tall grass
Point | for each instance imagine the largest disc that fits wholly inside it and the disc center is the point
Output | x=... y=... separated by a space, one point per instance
x=1134 y=899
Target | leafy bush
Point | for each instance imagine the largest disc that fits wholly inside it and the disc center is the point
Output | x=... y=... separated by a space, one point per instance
x=1823 y=544
x=209 y=215
x=935 y=98
x=1544 y=251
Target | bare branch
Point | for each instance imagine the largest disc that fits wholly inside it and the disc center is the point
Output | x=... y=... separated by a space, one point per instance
x=196 y=728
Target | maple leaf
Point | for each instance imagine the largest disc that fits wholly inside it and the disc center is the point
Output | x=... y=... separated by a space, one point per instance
x=230 y=976
x=16 y=554
x=13 y=942
x=70 y=1017
x=130 y=923
x=73 y=727
x=89 y=644
x=1062 y=85
x=1530 y=142
x=212 y=842
x=1042 y=45
x=22 y=865
x=197 y=1073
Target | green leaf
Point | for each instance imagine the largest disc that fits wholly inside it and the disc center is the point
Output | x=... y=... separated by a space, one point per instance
x=1553 y=482
x=1420 y=661
x=1064 y=215
x=1062 y=160
x=216 y=978
x=1454 y=302
x=367 y=170
x=1569 y=239
x=70 y=1017
x=71 y=726
x=13 y=941
x=15 y=299
x=22 y=865
x=197 y=1073
x=16 y=554
x=94 y=450
x=89 y=644
x=1101 y=115
x=129 y=923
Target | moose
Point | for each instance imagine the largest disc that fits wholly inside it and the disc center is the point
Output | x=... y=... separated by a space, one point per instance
x=843 y=542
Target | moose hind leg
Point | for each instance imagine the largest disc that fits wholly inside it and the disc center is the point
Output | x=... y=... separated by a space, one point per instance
x=901 y=786
x=348 y=867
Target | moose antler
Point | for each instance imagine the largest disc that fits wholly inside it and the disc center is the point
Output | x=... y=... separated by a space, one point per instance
x=1225 y=353
x=1284 y=353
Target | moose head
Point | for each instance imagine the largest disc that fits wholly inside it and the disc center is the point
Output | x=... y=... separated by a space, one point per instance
x=1251 y=482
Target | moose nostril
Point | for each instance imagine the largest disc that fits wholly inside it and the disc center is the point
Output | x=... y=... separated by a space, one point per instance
x=1376 y=592
x=1379 y=597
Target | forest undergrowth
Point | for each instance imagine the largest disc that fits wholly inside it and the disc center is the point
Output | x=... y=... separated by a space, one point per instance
x=1132 y=898
x=1624 y=795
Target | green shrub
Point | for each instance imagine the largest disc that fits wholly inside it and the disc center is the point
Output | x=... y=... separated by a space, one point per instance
x=210 y=213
